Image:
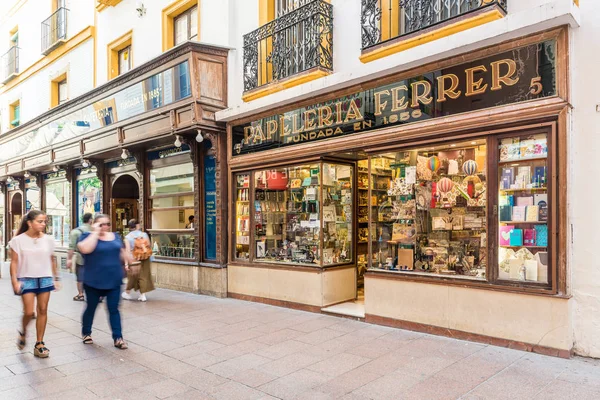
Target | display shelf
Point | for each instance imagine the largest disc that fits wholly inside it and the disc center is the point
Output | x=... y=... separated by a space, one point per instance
x=523 y=222
x=523 y=190
x=529 y=247
x=519 y=160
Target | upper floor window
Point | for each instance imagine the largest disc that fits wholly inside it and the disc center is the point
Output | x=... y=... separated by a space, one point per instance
x=62 y=92
x=125 y=60
x=15 y=114
x=186 y=26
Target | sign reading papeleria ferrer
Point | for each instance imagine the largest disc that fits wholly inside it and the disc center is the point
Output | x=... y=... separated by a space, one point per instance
x=518 y=75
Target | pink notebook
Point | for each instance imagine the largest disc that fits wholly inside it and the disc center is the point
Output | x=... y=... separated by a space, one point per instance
x=504 y=237
x=524 y=201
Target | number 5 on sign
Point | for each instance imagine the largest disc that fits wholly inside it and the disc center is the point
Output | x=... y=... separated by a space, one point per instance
x=536 y=86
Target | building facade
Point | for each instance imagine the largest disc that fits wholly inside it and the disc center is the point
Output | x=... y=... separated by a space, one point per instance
x=107 y=117
x=416 y=164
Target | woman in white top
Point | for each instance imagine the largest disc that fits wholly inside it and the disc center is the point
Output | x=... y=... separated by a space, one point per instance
x=34 y=275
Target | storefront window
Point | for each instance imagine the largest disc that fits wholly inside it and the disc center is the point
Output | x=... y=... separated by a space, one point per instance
x=58 y=209
x=172 y=205
x=2 y=226
x=242 y=213
x=89 y=195
x=427 y=210
x=523 y=208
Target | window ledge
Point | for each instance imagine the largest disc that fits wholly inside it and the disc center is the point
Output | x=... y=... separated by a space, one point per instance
x=430 y=34
x=277 y=86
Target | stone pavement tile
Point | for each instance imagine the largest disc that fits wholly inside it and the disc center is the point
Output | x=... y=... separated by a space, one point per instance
x=278 y=336
x=283 y=349
x=236 y=337
x=438 y=388
x=125 y=384
x=37 y=364
x=371 y=332
x=164 y=389
x=347 y=325
x=354 y=396
x=204 y=360
x=561 y=390
x=5 y=372
x=171 y=368
x=193 y=350
x=584 y=371
x=312 y=394
x=163 y=346
x=236 y=391
x=86 y=365
x=288 y=364
x=294 y=384
x=16 y=358
x=73 y=394
x=20 y=393
x=346 y=383
x=542 y=366
x=231 y=367
x=92 y=351
x=512 y=383
x=375 y=348
x=316 y=324
x=71 y=382
x=338 y=364
x=238 y=327
x=253 y=378
x=15 y=381
x=426 y=366
x=390 y=386
x=191 y=394
x=201 y=380
x=319 y=336
x=238 y=349
x=337 y=345
x=386 y=364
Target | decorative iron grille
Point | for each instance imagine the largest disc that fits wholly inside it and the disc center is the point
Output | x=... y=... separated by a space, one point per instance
x=296 y=41
x=402 y=17
x=10 y=63
x=54 y=29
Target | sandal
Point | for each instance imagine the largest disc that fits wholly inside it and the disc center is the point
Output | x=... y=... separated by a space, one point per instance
x=79 y=297
x=87 y=339
x=120 y=344
x=21 y=340
x=42 y=351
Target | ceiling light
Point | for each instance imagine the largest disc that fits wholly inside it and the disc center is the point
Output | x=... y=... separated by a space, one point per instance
x=85 y=163
x=125 y=154
x=177 y=141
x=452 y=145
x=199 y=137
x=473 y=142
x=9 y=179
x=55 y=168
x=26 y=174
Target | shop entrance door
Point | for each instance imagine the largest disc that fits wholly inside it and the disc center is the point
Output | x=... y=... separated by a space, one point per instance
x=124 y=203
x=15 y=212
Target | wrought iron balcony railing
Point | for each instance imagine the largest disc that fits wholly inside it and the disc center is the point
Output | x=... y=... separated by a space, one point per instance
x=297 y=41
x=10 y=64
x=383 y=20
x=54 y=30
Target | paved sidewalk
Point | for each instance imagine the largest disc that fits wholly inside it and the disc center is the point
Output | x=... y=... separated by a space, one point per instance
x=186 y=346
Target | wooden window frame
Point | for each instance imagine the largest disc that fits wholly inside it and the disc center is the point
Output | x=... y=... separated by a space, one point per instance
x=188 y=15
x=169 y=14
x=113 y=48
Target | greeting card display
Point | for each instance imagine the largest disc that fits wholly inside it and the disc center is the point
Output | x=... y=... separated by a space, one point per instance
x=504 y=236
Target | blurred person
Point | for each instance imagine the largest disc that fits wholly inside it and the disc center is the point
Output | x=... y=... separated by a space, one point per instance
x=139 y=277
x=104 y=256
x=190 y=224
x=73 y=239
x=34 y=275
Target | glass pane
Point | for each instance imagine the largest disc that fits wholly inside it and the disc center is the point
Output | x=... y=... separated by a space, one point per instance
x=124 y=60
x=523 y=208
x=171 y=219
x=172 y=179
x=62 y=92
x=286 y=215
x=428 y=210
x=89 y=197
x=58 y=209
x=181 y=29
x=175 y=201
x=337 y=214
x=193 y=15
x=177 y=245
x=242 y=213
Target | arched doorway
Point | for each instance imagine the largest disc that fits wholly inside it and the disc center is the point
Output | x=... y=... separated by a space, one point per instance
x=15 y=212
x=124 y=202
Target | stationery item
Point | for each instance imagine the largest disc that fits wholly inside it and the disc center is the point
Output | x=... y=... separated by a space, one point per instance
x=524 y=201
x=527 y=147
x=541 y=258
x=405 y=259
x=504 y=237
x=523 y=270
x=518 y=213
x=505 y=213
x=306 y=181
x=537 y=198
x=515 y=268
x=507 y=178
x=529 y=237
x=311 y=193
x=452 y=167
x=541 y=200
x=541 y=235
x=411 y=175
x=539 y=176
x=516 y=237
x=329 y=213
x=533 y=213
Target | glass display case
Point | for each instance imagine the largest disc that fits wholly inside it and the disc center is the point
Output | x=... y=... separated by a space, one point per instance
x=58 y=210
x=242 y=215
x=427 y=210
x=300 y=215
x=523 y=208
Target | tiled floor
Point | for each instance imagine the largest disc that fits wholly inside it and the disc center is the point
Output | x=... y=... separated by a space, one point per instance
x=186 y=346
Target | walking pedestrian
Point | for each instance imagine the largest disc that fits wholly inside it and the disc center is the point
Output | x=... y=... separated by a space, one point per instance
x=73 y=239
x=139 y=276
x=103 y=256
x=34 y=275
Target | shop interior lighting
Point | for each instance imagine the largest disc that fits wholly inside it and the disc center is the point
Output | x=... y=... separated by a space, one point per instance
x=85 y=163
x=199 y=137
x=125 y=154
x=9 y=179
x=26 y=174
x=177 y=141
x=55 y=168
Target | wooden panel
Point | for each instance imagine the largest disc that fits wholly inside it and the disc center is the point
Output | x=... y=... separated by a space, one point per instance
x=147 y=130
x=97 y=144
x=211 y=80
x=42 y=159
x=184 y=117
x=14 y=167
x=68 y=152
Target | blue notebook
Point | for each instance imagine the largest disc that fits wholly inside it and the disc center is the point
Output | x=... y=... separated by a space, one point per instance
x=541 y=235
x=516 y=237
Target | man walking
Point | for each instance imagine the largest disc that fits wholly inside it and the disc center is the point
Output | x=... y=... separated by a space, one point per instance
x=73 y=239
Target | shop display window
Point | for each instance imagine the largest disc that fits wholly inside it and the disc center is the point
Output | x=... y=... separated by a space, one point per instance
x=2 y=226
x=171 y=205
x=89 y=196
x=242 y=216
x=58 y=210
x=301 y=214
x=523 y=208
x=426 y=210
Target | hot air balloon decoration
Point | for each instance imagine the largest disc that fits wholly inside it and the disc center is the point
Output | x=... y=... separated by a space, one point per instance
x=469 y=167
x=444 y=186
x=434 y=163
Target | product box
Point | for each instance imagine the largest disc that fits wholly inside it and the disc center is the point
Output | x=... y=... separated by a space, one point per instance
x=508 y=177
x=541 y=235
x=529 y=237
x=405 y=259
x=541 y=200
x=518 y=213
x=539 y=176
x=504 y=236
x=516 y=237
x=533 y=213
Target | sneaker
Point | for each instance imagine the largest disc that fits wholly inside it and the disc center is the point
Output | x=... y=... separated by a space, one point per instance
x=142 y=297
x=126 y=296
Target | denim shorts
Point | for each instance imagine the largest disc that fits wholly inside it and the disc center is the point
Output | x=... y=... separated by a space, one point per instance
x=36 y=285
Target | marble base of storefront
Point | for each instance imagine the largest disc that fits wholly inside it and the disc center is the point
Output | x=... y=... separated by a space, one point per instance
x=210 y=281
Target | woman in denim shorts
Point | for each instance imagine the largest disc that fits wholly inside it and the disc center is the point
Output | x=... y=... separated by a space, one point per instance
x=34 y=275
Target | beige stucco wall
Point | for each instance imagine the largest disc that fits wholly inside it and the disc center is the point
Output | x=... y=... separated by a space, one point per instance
x=538 y=320
x=193 y=279
x=315 y=288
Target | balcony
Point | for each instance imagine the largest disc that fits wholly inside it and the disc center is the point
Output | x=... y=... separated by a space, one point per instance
x=54 y=30
x=386 y=20
x=299 y=41
x=10 y=64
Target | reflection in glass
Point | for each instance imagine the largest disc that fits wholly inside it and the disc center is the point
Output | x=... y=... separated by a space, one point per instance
x=89 y=197
x=58 y=209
